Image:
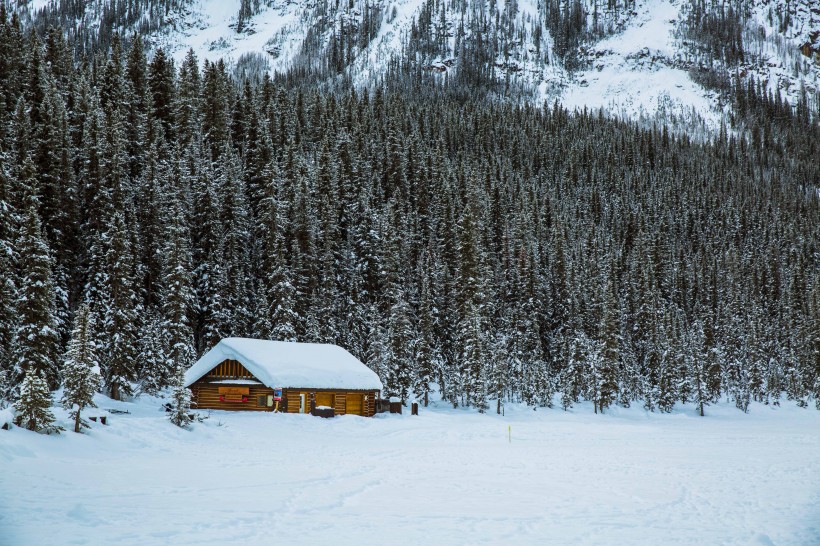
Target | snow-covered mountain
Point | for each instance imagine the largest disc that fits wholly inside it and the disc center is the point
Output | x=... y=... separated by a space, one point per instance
x=654 y=59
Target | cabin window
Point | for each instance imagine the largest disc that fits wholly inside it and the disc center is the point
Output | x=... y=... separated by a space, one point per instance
x=264 y=400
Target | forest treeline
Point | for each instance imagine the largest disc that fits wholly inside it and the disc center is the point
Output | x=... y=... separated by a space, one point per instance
x=493 y=252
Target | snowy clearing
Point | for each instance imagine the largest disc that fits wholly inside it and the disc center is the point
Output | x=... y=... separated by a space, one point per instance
x=447 y=476
x=632 y=75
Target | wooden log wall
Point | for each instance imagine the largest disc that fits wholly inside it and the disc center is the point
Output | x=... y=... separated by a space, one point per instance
x=292 y=398
x=370 y=405
x=339 y=406
x=206 y=396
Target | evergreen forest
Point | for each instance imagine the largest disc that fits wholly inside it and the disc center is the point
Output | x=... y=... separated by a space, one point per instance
x=487 y=250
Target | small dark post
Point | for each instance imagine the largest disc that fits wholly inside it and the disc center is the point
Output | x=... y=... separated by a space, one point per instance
x=414 y=409
x=312 y=405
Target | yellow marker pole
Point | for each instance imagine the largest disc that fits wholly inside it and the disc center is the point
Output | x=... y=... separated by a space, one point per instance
x=509 y=433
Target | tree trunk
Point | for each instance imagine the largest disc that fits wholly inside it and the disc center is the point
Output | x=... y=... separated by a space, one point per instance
x=77 y=420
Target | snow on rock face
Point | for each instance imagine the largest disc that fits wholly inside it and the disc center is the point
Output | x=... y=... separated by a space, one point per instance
x=210 y=30
x=286 y=364
x=633 y=73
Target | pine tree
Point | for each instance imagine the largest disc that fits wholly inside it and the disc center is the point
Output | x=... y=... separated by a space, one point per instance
x=281 y=296
x=473 y=324
x=474 y=351
x=120 y=319
x=181 y=404
x=572 y=380
x=610 y=335
x=400 y=343
x=8 y=317
x=236 y=246
x=188 y=102
x=81 y=370
x=425 y=356
x=153 y=373
x=162 y=89
x=177 y=297
x=209 y=275
x=137 y=107
x=33 y=406
x=37 y=340
x=696 y=353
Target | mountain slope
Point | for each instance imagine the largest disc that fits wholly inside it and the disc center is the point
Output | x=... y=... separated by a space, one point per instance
x=674 y=61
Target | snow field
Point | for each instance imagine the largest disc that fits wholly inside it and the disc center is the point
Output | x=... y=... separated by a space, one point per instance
x=447 y=476
x=631 y=77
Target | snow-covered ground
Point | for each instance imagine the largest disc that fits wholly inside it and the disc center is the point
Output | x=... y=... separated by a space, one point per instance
x=445 y=477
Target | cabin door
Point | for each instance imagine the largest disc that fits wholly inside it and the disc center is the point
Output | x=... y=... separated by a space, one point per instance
x=354 y=404
x=303 y=403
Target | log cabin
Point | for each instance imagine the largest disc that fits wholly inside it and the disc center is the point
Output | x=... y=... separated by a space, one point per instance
x=262 y=375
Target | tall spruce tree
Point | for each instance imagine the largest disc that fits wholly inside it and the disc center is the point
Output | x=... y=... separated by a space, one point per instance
x=153 y=372
x=81 y=369
x=37 y=339
x=120 y=318
x=8 y=291
x=424 y=354
x=177 y=297
x=400 y=346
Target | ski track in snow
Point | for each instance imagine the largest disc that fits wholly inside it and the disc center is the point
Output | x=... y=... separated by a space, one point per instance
x=447 y=476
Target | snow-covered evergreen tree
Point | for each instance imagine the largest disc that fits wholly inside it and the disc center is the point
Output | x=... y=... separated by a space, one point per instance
x=281 y=306
x=37 y=340
x=154 y=370
x=8 y=328
x=236 y=239
x=33 y=407
x=209 y=279
x=120 y=318
x=400 y=347
x=181 y=402
x=81 y=370
x=573 y=377
x=607 y=385
x=474 y=352
x=697 y=363
x=177 y=298
x=425 y=357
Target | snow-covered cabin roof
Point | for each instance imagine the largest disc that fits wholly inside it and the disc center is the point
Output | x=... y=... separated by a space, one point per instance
x=289 y=364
